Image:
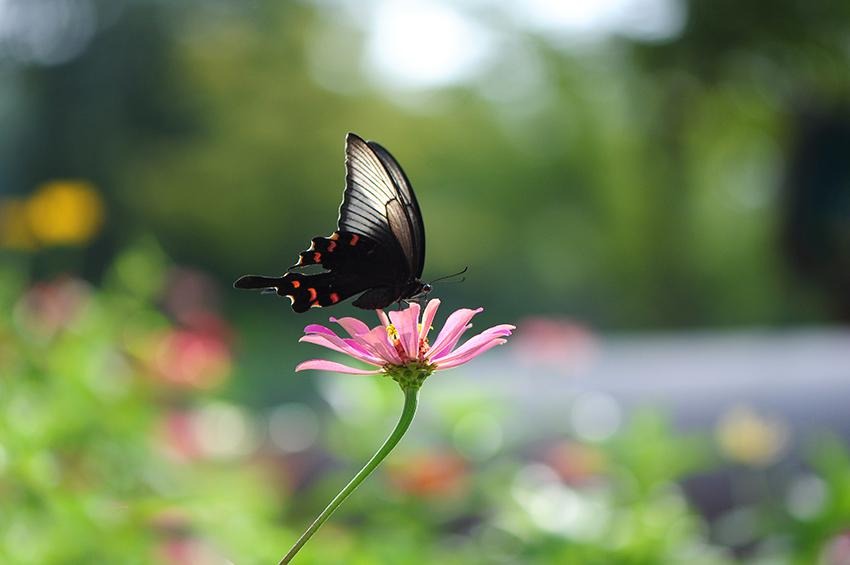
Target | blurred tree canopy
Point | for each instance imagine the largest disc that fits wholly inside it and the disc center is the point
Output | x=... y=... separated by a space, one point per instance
x=629 y=182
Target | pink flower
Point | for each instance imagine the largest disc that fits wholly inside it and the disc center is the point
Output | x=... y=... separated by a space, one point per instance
x=401 y=341
x=190 y=358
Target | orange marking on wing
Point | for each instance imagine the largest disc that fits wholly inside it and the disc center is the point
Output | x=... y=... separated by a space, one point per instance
x=331 y=246
x=296 y=284
x=317 y=257
x=313 y=293
x=354 y=239
x=335 y=236
x=334 y=298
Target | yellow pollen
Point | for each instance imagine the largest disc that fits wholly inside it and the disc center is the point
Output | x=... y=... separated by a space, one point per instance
x=392 y=332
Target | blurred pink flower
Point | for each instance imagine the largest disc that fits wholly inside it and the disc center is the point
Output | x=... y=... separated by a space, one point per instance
x=402 y=340
x=176 y=437
x=191 y=359
x=191 y=298
x=50 y=307
x=837 y=550
x=555 y=344
x=189 y=552
x=179 y=545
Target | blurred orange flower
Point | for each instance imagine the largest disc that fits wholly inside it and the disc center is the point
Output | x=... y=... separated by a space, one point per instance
x=574 y=462
x=430 y=475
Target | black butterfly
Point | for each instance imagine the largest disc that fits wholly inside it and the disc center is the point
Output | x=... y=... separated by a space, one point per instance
x=378 y=247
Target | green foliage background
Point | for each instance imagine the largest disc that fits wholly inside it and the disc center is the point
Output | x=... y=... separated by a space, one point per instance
x=629 y=184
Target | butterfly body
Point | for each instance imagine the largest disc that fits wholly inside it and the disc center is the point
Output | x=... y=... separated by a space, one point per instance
x=378 y=248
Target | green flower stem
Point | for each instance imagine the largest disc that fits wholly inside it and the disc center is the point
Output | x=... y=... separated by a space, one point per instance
x=411 y=398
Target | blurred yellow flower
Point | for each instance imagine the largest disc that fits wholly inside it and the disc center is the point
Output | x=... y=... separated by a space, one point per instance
x=14 y=230
x=64 y=212
x=747 y=437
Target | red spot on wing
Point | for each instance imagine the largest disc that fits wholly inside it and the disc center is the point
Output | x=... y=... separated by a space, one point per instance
x=317 y=257
x=354 y=239
x=296 y=284
x=331 y=246
x=313 y=293
x=334 y=298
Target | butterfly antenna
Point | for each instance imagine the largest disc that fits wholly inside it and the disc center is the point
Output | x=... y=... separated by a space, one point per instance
x=460 y=280
x=462 y=271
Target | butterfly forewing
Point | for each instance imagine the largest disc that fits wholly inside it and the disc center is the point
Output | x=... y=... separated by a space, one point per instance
x=379 y=245
x=368 y=188
x=411 y=207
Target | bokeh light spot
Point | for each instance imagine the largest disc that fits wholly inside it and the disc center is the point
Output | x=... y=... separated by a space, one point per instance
x=293 y=427
x=223 y=431
x=595 y=416
x=419 y=44
x=806 y=496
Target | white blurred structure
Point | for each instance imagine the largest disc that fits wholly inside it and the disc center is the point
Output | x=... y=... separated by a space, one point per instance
x=799 y=376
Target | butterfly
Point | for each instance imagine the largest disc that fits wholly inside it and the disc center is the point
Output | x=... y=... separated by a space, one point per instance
x=378 y=248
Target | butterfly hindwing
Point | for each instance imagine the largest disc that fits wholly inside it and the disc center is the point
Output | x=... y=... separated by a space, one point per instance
x=321 y=289
x=307 y=291
x=340 y=250
x=375 y=298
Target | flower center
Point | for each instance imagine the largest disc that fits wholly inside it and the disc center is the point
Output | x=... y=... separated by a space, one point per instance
x=392 y=333
x=395 y=340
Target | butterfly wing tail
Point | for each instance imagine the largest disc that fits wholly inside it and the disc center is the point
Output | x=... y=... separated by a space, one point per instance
x=304 y=291
x=255 y=282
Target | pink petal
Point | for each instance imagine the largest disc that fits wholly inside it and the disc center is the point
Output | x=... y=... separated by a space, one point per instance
x=456 y=359
x=360 y=342
x=377 y=341
x=355 y=345
x=383 y=318
x=405 y=322
x=322 y=365
x=454 y=327
x=474 y=342
x=353 y=326
x=428 y=317
x=318 y=329
x=358 y=350
x=334 y=343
